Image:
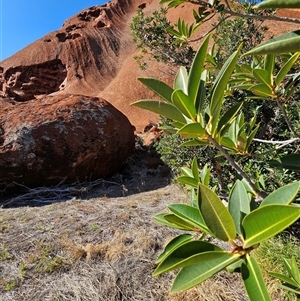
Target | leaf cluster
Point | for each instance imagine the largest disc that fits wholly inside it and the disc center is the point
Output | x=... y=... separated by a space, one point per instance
x=198 y=109
x=153 y=35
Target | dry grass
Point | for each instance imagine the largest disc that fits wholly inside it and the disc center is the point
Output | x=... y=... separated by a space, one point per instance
x=98 y=248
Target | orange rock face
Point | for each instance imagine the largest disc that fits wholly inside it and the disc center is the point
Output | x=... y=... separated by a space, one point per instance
x=83 y=57
x=91 y=55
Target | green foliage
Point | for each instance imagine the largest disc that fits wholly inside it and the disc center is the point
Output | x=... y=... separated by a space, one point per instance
x=154 y=36
x=292 y=281
x=198 y=109
x=286 y=43
x=263 y=80
x=10 y=285
x=185 y=105
x=279 y=4
x=243 y=227
x=271 y=256
x=291 y=162
x=230 y=33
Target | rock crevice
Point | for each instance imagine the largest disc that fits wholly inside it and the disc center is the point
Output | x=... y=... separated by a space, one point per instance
x=24 y=82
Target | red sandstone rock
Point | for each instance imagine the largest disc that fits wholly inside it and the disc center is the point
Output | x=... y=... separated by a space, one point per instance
x=83 y=57
x=91 y=54
x=46 y=140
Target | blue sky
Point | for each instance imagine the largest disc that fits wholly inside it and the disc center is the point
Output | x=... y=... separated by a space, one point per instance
x=24 y=21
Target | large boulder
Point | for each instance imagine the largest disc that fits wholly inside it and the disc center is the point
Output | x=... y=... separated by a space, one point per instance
x=52 y=138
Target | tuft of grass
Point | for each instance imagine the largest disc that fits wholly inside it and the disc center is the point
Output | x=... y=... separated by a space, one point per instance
x=89 y=251
x=270 y=257
x=4 y=224
x=10 y=285
x=4 y=254
x=44 y=259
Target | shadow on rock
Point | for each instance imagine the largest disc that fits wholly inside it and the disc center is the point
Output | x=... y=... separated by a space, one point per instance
x=144 y=171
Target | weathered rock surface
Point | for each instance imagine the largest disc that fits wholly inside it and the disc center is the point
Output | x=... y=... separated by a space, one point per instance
x=92 y=54
x=82 y=57
x=46 y=140
x=46 y=132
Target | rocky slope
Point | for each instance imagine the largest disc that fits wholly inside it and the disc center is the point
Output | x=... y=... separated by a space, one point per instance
x=92 y=54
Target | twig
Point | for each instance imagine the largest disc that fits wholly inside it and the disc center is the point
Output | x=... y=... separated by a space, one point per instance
x=286 y=118
x=49 y=195
x=211 y=30
x=283 y=143
x=260 y=195
x=231 y=12
x=261 y=17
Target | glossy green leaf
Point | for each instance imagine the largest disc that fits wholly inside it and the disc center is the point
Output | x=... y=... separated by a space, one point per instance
x=212 y=263
x=180 y=223
x=278 y=4
x=232 y=132
x=196 y=70
x=246 y=68
x=286 y=43
x=253 y=280
x=291 y=162
x=190 y=214
x=228 y=143
x=238 y=204
x=195 y=142
x=158 y=87
x=263 y=76
x=229 y=116
x=292 y=267
x=173 y=32
x=184 y=104
x=222 y=81
x=160 y=218
x=261 y=90
x=193 y=130
x=283 y=195
x=186 y=171
x=176 y=125
x=191 y=181
x=205 y=175
x=201 y=93
x=286 y=68
x=195 y=169
x=192 y=252
x=251 y=137
x=181 y=80
x=295 y=291
x=269 y=64
x=242 y=76
x=267 y=221
x=235 y=267
x=165 y=109
x=173 y=245
x=253 y=121
x=245 y=86
x=218 y=90
x=215 y=214
x=283 y=278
